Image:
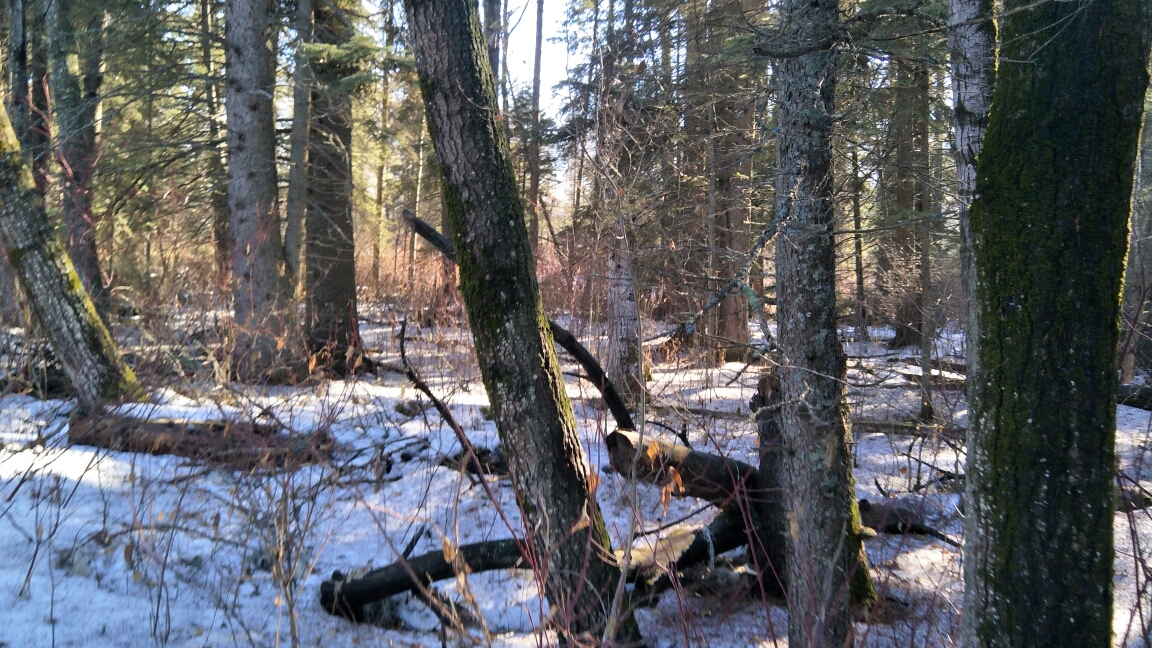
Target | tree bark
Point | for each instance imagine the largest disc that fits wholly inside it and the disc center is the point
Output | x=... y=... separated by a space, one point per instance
x=296 y=202
x=826 y=564
x=330 y=249
x=534 y=138
x=221 y=230
x=972 y=47
x=50 y=283
x=18 y=106
x=260 y=291
x=39 y=143
x=1053 y=192
x=569 y=541
x=75 y=82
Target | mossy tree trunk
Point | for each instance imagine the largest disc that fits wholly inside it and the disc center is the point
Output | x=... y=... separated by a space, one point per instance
x=260 y=291
x=58 y=301
x=1049 y=231
x=329 y=245
x=75 y=81
x=554 y=486
x=825 y=557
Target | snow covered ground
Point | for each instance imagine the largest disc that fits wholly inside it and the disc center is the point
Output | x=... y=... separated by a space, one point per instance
x=112 y=549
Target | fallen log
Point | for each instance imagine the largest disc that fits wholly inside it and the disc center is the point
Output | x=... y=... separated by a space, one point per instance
x=695 y=474
x=1138 y=396
x=240 y=445
x=347 y=595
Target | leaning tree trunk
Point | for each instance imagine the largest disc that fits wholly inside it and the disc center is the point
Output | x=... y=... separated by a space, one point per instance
x=260 y=292
x=568 y=540
x=825 y=559
x=65 y=313
x=972 y=46
x=1049 y=225
x=75 y=109
x=330 y=251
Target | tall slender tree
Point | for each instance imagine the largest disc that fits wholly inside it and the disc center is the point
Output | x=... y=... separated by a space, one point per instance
x=330 y=250
x=825 y=557
x=260 y=291
x=1049 y=233
x=75 y=81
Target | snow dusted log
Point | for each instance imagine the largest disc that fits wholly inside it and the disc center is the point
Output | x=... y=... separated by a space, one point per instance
x=346 y=596
x=1139 y=396
x=235 y=444
x=52 y=286
x=696 y=474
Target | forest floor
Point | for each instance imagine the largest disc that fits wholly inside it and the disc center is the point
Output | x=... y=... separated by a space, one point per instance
x=107 y=548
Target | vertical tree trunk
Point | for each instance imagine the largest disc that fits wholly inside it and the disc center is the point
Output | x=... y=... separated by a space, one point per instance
x=39 y=143
x=623 y=353
x=296 y=202
x=493 y=28
x=261 y=294
x=330 y=255
x=221 y=231
x=534 y=138
x=826 y=562
x=18 y=106
x=858 y=244
x=1049 y=225
x=513 y=343
x=75 y=95
x=972 y=46
x=923 y=147
x=50 y=283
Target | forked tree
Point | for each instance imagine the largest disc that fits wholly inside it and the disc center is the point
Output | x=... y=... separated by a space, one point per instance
x=514 y=346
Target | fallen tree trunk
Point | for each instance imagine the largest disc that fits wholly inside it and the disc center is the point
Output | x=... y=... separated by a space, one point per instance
x=1138 y=396
x=344 y=595
x=234 y=444
x=718 y=480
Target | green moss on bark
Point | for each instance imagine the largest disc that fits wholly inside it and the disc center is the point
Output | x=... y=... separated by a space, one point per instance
x=1049 y=227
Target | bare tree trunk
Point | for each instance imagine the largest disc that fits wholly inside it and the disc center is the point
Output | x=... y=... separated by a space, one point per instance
x=972 y=46
x=261 y=293
x=39 y=142
x=858 y=243
x=923 y=207
x=517 y=359
x=826 y=563
x=493 y=28
x=50 y=283
x=534 y=138
x=75 y=89
x=221 y=230
x=18 y=106
x=330 y=254
x=296 y=203
x=1049 y=223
